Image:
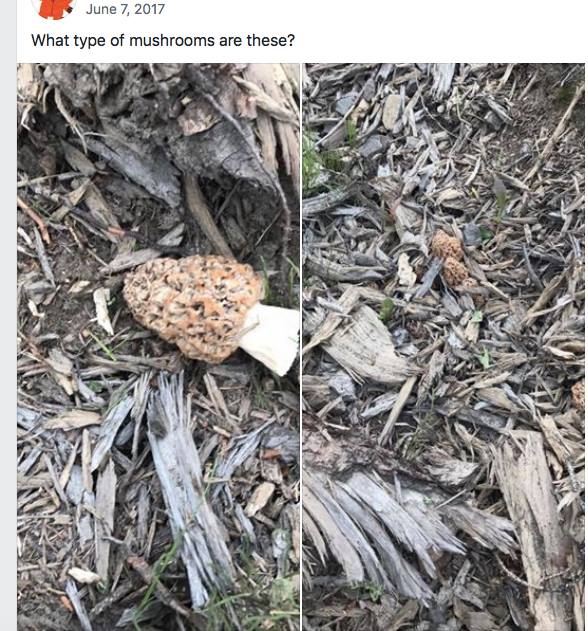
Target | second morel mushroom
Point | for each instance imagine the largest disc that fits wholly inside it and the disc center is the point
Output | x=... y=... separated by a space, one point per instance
x=209 y=306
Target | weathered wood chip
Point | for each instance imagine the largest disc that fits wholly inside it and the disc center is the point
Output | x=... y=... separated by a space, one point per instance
x=73 y=419
x=406 y=275
x=260 y=497
x=104 y=522
x=391 y=110
x=365 y=349
x=339 y=545
x=128 y=260
x=108 y=430
x=101 y=298
x=82 y=576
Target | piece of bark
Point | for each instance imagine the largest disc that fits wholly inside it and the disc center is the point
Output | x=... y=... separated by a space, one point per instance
x=148 y=169
x=340 y=547
x=346 y=303
x=128 y=260
x=429 y=278
x=101 y=298
x=324 y=201
x=277 y=116
x=329 y=270
x=525 y=481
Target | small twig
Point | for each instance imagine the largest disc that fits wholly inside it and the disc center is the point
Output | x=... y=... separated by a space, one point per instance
x=568 y=576
x=556 y=134
x=398 y=407
x=161 y=592
x=532 y=275
x=43 y=259
x=203 y=217
x=70 y=119
x=514 y=577
x=36 y=218
x=60 y=177
x=74 y=597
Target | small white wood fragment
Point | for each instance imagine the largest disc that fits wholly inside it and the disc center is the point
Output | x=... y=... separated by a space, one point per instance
x=78 y=286
x=101 y=298
x=73 y=419
x=260 y=498
x=84 y=577
x=406 y=275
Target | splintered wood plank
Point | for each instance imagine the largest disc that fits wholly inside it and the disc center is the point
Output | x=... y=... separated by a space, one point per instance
x=526 y=484
x=200 y=535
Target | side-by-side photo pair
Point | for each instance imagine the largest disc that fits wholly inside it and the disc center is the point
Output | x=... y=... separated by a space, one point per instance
x=300 y=347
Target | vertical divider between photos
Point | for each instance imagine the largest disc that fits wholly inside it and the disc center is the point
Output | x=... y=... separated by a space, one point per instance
x=300 y=132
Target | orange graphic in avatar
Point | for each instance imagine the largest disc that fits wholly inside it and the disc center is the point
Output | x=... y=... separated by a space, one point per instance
x=54 y=9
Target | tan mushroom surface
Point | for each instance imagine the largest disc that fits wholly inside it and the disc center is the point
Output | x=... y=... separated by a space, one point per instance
x=578 y=393
x=454 y=272
x=198 y=303
x=443 y=246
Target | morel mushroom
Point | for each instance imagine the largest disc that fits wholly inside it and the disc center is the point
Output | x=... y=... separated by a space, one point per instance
x=209 y=306
x=454 y=272
x=578 y=394
x=443 y=246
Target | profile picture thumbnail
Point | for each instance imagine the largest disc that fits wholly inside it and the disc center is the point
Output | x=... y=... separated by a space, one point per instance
x=53 y=9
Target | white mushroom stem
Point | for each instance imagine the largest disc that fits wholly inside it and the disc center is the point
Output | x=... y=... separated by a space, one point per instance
x=270 y=334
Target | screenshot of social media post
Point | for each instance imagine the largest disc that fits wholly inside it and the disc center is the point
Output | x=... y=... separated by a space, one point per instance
x=300 y=341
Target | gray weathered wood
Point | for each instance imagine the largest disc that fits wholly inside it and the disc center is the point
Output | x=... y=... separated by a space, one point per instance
x=526 y=484
x=202 y=537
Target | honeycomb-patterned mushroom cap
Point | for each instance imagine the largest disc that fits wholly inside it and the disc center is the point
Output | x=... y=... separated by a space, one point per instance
x=198 y=303
x=444 y=246
x=578 y=393
x=454 y=272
